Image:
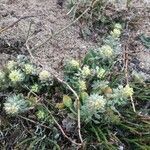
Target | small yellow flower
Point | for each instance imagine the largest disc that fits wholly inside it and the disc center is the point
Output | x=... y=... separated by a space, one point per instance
x=74 y=63
x=118 y=26
x=40 y=114
x=96 y=102
x=127 y=91
x=82 y=85
x=29 y=69
x=35 y=88
x=60 y=105
x=116 y=33
x=101 y=73
x=11 y=65
x=106 y=51
x=16 y=76
x=86 y=71
x=44 y=75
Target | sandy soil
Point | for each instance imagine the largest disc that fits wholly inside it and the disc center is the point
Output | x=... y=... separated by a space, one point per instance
x=48 y=18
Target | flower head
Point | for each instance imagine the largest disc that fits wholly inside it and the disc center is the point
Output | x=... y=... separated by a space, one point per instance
x=82 y=85
x=118 y=26
x=101 y=72
x=127 y=91
x=16 y=76
x=41 y=114
x=15 y=104
x=116 y=33
x=106 y=51
x=86 y=71
x=35 y=88
x=44 y=75
x=96 y=101
x=29 y=69
x=11 y=65
x=73 y=63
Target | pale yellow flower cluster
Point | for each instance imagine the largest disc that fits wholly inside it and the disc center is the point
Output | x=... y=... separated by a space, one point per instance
x=16 y=76
x=82 y=85
x=86 y=71
x=106 y=51
x=101 y=73
x=75 y=64
x=44 y=75
x=127 y=91
x=40 y=114
x=29 y=69
x=96 y=102
x=117 y=31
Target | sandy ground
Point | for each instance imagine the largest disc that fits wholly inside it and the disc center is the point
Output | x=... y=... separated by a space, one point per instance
x=48 y=18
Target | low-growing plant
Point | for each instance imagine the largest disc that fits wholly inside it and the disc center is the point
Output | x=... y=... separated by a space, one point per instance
x=37 y=103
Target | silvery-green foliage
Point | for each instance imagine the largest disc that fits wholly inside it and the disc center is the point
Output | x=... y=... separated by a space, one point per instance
x=99 y=86
x=21 y=59
x=114 y=43
x=94 y=104
x=117 y=98
x=15 y=104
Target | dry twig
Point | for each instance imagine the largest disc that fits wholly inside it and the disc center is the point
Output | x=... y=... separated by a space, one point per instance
x=126 y=62
x=14 y=23
x=30 y=120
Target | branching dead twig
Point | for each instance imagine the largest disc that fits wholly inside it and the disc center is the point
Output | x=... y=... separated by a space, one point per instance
x=126 y=61
x=8 y=27
x=78 y=106
x=30 y=120
x=26 y=42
